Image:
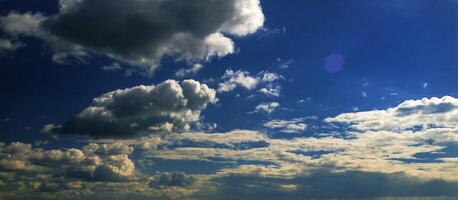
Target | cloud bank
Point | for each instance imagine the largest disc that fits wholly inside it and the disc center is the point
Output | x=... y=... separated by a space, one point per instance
x=389 y=162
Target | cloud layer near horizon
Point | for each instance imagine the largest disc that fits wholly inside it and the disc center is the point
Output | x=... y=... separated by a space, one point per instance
x=284 y=167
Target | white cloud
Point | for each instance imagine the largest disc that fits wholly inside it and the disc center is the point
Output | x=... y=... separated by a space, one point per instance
x=372 y=145
x=271 y=90
x=186 y=72
x=115 y=148
x=287 y=126
x=284 y=64
x=113 y=67
x=375 y=145
x=436 y=112
x=26 y=24
x=115 y=167
x=233 y=79
x=267 y=107
x=247 y=19
x=232 y=137
x=94 y=171
x=75 y=163
x=266 y=76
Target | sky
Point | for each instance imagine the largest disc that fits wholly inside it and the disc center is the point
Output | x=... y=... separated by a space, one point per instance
x=228 y=99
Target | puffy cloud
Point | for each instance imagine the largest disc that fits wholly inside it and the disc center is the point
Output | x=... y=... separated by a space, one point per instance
x=116 y=167
x=9 y=45
x=13 y=165
x=267 y=107
x=168 y=179
x=58 y=157
x=269 y=76
x=233 y=79
x=21 y=157
x=168 y=106
x=247 y=19
x=21 y=24
x=115 y=148
x=271 y=90
x=144 y=30
x=34 y=173
x=108 y=161
x=287 y=126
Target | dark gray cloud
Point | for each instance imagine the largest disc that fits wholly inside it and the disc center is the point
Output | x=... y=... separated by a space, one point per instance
x=141 y=31
x=326 y=185
x=168 y=106
x=135 y=29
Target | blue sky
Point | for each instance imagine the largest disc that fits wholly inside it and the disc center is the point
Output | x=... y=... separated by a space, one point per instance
x=182 y=100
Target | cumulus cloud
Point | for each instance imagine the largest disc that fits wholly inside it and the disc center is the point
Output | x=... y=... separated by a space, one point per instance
x=22 y=24
x=287 y=126
x=142 y=31
x=94 y=161
x=115 y=148
x=267 y=107
x=232 y=79
x=115 y=167
x=104 y=169
x=240 y=78
x=266 y=76
x=168 y=179
x=271 y=90
x=168 y=106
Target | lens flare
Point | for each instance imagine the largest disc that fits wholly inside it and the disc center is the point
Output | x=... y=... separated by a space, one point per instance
x=334 y=63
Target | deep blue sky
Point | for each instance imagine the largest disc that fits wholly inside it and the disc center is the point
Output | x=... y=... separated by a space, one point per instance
x=388 y=47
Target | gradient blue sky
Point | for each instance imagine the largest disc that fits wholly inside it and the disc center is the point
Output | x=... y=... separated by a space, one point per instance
x=384 y=116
